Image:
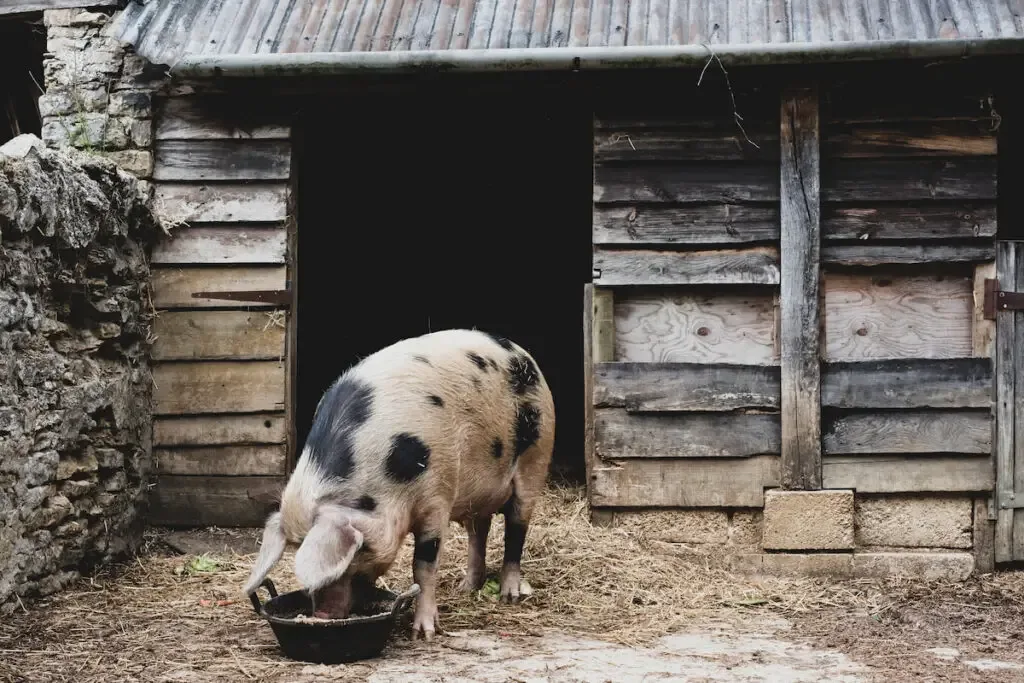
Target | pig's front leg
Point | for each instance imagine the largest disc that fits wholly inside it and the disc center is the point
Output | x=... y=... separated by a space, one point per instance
x=476 y=569
x=425 y=558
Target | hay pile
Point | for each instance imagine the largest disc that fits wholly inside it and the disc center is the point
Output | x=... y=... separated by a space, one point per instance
x=165 y=616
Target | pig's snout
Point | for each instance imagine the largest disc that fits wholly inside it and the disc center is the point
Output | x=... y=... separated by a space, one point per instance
x=333 y=601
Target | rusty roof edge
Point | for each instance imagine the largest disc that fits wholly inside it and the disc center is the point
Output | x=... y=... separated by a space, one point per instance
x=593 y=58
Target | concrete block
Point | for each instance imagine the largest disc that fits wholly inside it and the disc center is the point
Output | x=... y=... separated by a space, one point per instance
x=808 y=520
x=927 y=566
x=677 y=526
x=913 y=522
x=745 y=528
x=795 y=565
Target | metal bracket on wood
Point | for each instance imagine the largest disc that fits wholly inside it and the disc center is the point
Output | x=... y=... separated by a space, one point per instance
x=1008 y=500
x=998 y=300
x=280 y=297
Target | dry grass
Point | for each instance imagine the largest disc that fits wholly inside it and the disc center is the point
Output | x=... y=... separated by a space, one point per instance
x=148 y=620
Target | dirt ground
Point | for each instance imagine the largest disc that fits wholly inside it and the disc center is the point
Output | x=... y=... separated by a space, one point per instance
x=607 y=605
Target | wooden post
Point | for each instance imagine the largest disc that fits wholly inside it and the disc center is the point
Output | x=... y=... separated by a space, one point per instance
x=598 y=347
x=800 y=190
x=1005 y=368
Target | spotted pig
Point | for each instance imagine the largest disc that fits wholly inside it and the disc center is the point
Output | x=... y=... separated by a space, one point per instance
x=454 y=425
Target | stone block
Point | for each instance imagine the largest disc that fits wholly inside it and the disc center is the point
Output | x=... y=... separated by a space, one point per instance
x=745 y=528
x=138 y=162
x=914 y=522
x=40 y=468
x=676 y=526
x=66 y=101
x=91 y=131
x=795 y=565
x=73 y=464
x=808 y=520
x=950 y=566
x=141 y=132
x=135 y=103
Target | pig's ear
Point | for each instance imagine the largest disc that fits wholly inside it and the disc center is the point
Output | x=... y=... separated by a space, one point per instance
x=328 y=548
x=270 y=552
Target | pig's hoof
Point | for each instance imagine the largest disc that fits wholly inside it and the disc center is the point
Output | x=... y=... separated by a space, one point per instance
x=425 y=624
x=471 y=584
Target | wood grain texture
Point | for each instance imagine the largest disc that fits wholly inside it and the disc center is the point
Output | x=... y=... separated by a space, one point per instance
x=206 y=160
x=200 y=118
x=173 y=287
x=926 y=221
x=715 y=482
x=221 y=203
x=983 y=331
x=1017 y=281
x=665 y=224
x=953 y=138
x=908 y=384
x=756 y=265
x=942 y=431
x=589 y=358
x=907 y=473
x=905 y=254
x=186 y=501
x=220 y=430
x=1005 y=405
x=984 y=538
x=603 y=325
x=800 y=199
x=217 y=335
x=681 y=184
x=681 y=145
x=869 y=317
x=222 y=460
x=222 y=245
x=851 y=180
x=645 y=387
x=619 y=434
x=218 y=387
x=682 y=328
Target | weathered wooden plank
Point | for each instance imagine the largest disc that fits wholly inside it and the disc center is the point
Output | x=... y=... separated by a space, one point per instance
x=907 y=473
x=926 y=139
x=919 y=316
x=686 y=328
x=218 y=387
x=799 y=203
x=184 y=501
x=682 y=145
x=852 y=180
x=221 y=203
x=222 y=245
x=18 y=7
x=944 y=431
x=658 y=224
x=983 y=331
x=910 y=383
x=1017 y=282
x=220 y=430
x=222 y=460
x=715 y=482
x=203 y=118
x=218 y=335
x=1005 y=404
x=644 y=387
x=984 y=538
x=206 y=160
x=899 y=222
x=603 y=325
x=755 y=265
x=173 y=287
x=619 y=434
x=681 y=184
x=908 y=254
x=590 y=332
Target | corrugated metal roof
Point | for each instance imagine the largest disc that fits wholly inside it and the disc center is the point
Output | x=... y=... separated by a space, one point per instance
x=165 y=30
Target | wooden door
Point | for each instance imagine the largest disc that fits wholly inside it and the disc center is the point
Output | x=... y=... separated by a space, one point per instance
x=1009 y=312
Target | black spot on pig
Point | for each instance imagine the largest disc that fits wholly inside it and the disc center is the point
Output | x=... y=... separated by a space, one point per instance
x=436 y=400
x=426 y=550
x=368 y=503
x=493 y=363
x=497 y=448
x=478 y=360
x=408 y=458
x=522 y=374
x=527 y=428
x=345 y=407
x=500 y=341
x=422 y=359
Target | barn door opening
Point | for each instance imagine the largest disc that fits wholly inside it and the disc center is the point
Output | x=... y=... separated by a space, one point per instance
x=1005 y=300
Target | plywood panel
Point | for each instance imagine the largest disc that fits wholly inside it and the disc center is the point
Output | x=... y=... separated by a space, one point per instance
x=644 y=387
x=218 y=335
x=222 y=460
x=173 y=287
x=213 y=501
x=215 y=430
x=873 y=317
x=695 y=329
x=218 y=387
x=940 y=431
x=221 y=202
x=619 y=434
x=222 y=245
x=907 y=473
x=756 y=265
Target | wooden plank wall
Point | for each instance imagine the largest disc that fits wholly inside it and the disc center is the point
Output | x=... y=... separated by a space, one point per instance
x=686 y=381
x=908 y=227
x=221 y=419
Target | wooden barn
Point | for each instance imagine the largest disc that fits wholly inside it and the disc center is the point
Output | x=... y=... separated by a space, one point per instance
x=769 y=254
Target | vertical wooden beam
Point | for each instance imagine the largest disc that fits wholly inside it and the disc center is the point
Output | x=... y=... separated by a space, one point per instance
x=800 y=211
x=1005 y=377
x=1018 y=413
x=292 y=263
x=597 y=345
x=604 y=325
x=983 y=331
x=984 y=538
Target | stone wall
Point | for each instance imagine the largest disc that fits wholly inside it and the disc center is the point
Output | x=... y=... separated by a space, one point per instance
x=75 y=384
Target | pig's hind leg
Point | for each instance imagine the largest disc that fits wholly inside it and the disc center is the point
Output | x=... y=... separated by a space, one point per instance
x=517 y=521
x=426 y=556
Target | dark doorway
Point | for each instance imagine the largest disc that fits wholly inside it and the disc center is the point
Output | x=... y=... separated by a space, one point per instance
x=439 y=208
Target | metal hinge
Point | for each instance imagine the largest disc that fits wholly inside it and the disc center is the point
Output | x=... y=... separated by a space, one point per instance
x=280 y=297
x=998 y=300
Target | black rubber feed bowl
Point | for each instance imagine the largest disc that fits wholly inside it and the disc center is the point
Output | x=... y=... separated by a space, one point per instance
x=337 y=641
